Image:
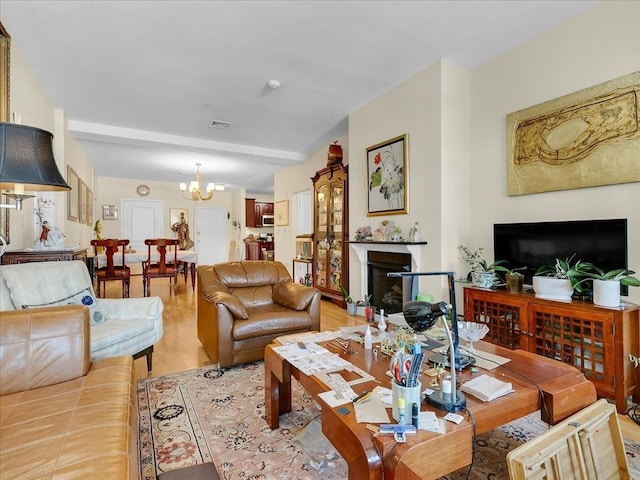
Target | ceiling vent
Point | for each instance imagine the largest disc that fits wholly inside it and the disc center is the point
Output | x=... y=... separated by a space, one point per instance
x=220 y=124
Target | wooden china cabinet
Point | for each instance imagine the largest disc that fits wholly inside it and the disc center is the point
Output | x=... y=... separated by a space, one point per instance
x=331 y=229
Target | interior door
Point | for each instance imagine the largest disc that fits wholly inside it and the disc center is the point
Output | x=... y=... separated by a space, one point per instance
x=211 y=235
x=141 y=219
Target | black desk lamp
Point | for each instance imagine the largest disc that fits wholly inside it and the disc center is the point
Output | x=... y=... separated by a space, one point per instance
x=421 y=316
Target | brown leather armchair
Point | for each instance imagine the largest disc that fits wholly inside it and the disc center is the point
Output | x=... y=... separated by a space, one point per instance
x=244 y=306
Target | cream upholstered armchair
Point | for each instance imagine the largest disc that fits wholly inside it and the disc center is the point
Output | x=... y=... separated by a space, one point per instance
x=122 y=326
x=244 y=306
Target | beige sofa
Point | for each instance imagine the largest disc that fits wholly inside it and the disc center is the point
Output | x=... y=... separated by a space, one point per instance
x=244 y=306
x=62 y=416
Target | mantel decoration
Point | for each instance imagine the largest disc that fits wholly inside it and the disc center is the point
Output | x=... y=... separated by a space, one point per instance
x=584 y=139
x=387 y=177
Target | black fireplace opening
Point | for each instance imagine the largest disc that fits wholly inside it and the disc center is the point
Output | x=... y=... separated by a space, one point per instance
x=386 y=292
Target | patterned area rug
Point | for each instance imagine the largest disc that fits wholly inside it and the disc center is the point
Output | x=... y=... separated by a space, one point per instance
x=218 y=415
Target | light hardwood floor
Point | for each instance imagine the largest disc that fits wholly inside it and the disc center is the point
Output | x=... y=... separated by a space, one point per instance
x=180 y=350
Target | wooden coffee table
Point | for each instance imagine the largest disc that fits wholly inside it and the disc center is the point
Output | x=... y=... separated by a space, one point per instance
x=428 y=455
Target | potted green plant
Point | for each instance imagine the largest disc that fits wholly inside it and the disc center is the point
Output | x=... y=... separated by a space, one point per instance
x=559 y=280
x=606 y=285
x=369 y=311
x=515 y=279
x=484 y=275
x=352 y=307
x=481 y=274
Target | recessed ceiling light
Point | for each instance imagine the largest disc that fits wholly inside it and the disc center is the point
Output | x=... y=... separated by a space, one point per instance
x=220 y=124
x=274 y=84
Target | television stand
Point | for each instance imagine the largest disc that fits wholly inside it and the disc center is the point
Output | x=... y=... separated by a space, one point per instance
x=598 y=341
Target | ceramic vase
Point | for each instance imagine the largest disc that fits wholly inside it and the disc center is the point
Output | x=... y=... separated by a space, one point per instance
x=352 y=308
x=483 y=279
x=606 y=293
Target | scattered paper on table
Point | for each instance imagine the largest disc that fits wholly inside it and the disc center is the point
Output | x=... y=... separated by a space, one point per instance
x=486 y=360
x=310 y=359
x=429 y=421
x=334 y=399
x=373 y=410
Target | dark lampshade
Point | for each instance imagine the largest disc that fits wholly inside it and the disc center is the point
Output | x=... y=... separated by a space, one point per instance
x=26 y=157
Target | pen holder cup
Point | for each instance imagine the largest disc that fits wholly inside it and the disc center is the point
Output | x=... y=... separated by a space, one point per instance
x=411 y=395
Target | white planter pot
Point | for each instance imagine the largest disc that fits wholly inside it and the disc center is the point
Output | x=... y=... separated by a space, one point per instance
x=606 y=293
x=553 y=288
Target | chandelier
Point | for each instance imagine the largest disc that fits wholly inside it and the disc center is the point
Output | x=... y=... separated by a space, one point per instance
x=194 y=190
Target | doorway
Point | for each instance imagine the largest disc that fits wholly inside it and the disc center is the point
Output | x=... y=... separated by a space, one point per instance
x=210 y=235
x=141 y=219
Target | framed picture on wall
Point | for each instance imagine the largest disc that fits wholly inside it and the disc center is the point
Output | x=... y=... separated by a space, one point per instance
x=281 y=212
x=109 y=212
x=82 y=202
x=387 y=177
x=5 y=64
x=89 y=207
x=72 y=195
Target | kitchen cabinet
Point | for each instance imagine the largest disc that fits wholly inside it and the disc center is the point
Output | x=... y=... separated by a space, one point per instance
x=598 y=341
x=250 y=212
x=259 y=250
x=330 y=249
x=254 y=212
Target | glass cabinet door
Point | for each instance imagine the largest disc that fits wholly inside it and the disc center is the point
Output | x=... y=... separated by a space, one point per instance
x=335 y=236
x=322 y=235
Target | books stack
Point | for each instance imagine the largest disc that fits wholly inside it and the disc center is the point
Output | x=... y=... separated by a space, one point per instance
x=487 y=388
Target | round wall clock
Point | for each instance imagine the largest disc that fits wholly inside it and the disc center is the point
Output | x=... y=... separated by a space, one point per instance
x=143 y=190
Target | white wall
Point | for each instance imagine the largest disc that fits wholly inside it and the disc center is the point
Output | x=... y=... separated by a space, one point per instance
x=456 y=122
x=600 y=45
x=288 y=183
x=111 y=191
x=31 y=102
x=432 y=108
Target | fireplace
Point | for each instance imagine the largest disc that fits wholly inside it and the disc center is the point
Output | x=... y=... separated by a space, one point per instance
x=362 y=249
x=386 y=292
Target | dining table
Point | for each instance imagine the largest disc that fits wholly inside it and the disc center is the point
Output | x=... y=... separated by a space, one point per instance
x=187 y=258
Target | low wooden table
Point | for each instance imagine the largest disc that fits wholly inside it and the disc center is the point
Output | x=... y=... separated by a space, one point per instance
x=428 y=455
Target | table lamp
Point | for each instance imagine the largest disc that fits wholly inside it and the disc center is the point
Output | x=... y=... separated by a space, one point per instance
x=27 y=163
x=421 y=316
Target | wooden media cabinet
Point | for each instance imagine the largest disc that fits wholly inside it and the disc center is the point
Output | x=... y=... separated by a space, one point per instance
x=598 y=341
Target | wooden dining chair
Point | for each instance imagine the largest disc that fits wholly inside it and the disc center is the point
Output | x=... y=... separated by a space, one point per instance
x=166 y=252
x=111 y=271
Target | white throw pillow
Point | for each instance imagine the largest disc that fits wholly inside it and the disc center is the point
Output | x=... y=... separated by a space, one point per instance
x=83 y=297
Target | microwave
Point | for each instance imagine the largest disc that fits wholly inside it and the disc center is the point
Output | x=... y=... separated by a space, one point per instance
x=267 y=220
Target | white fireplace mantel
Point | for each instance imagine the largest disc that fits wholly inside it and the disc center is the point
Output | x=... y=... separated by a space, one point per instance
x=362 y=248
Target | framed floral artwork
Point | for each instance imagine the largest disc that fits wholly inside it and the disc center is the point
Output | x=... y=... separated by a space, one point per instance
x=387 y=177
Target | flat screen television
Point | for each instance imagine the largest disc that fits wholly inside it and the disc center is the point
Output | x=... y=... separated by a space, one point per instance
x=601 y=242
